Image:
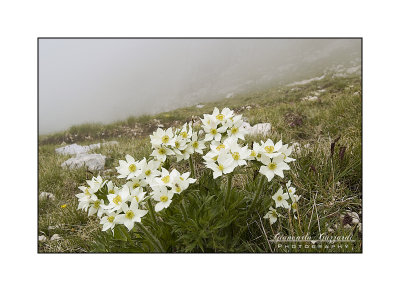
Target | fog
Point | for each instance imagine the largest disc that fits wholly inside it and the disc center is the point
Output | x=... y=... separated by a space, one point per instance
x=103 y=80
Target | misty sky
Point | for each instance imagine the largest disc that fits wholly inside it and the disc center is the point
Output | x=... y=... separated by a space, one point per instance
x=103 y=80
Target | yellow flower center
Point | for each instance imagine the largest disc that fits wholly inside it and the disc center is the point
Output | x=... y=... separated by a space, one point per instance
x=220 y=117
x=184 y=134
x=178 y=188
x=129 y=214
x=269 y=149
x=87 y=191
x=117 y=199
x=213 y=131
x=111 y=191
x=162 y=151
x=132 y=167
x=148 y=172
x=234 y=130
x=290 y=190
x=135 y=185
x=96 y=204
x=294 y=205
x=137 y=198
x=259 y=156
x=165 y=179
x=195 y=144
x=181 y=178
x=236 y=156
x=177 y=144
x=110 y=218
x=165 y=139
x=272 y=166
x=274 y=214
x=221 y=167
x=164 y=198
x=215 y=158
x=279 y=198
x=64 y=205
x=253 y=153
x=221 y=146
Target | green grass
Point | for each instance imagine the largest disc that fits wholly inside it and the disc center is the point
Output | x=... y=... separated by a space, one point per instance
x=329 y=184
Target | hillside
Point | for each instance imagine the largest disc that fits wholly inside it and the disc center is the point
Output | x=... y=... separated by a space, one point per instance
x=327 y=172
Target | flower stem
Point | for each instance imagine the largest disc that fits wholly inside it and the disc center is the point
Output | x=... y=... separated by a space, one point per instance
x=192 y=173
x=260 y=186
x=229 y=188
x=155 y=242
x=151 y=210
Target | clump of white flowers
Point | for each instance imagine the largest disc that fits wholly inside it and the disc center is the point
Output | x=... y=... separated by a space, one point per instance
x=286 y=200
x=126 y=204
x=180 y=143
x=221 y=144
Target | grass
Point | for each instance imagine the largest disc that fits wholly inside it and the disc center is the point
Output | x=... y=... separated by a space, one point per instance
x=328 y=178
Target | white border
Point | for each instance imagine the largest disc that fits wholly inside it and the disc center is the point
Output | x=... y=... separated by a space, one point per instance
x=23 y=21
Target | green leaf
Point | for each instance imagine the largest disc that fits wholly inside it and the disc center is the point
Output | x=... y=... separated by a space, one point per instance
x=119 y=233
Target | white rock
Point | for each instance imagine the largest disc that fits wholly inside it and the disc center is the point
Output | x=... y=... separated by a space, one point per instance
x=91 y=161
x=248 y=107
x=260 y=128
x=310 y=98
x=46 y=196
x=42 y=238
x=55 y=237
x=75 y=149
x=199 y=105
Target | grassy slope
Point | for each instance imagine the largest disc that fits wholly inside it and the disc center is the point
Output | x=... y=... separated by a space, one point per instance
x=328 y=185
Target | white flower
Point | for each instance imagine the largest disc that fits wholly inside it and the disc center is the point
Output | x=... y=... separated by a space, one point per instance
x=118 y=199
x=129 y=168
x=111 y=188
x=291 y=190
x=185 y=132
x=295 y=198
x=180 y=182
x=222 y=117
x=223 y=165
x=164 y=180
x=212 y=132
x=272 y=215
x=286 y=151
x=162 y=137
x=271 y=150
x=137 y=194
x=163 y=196
x=97 y=206
x=85 y=197
x=197 y=145
x=108 y=221
x=239 y=154
x=150 y=171
x=281 y=198
x=236 y=129
x=95 y=184
x=182 y=154
x=131 y=215
x=136 y=183
x=160 y=153
x=273 y=167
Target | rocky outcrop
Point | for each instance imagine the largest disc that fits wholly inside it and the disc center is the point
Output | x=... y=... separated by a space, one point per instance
x=92 y=161
x=260 y=128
